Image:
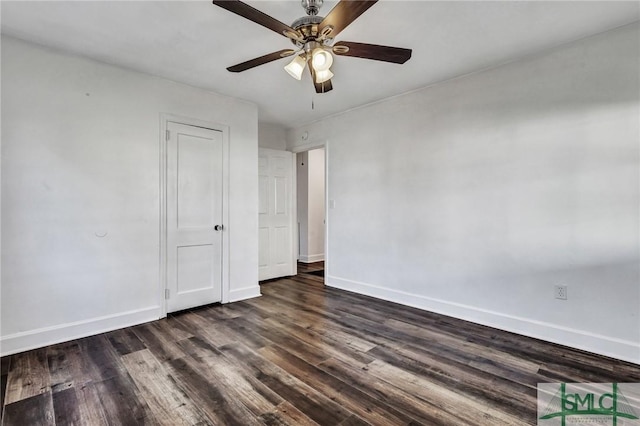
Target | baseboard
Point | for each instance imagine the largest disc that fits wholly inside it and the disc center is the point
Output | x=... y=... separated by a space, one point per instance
x=27 y=340
x=311 y=258
x=579 y=339
x=244 y=293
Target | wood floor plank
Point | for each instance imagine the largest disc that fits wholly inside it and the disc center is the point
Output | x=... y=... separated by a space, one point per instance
x=359 y=377
x=125 y=341
x=295 y=343
x=89 y=405
x=217 y=406
x=34 y=410
x=159 y=341
x=328 y=327
x=372 y=410
x=329 y=347
x=278 y=337
x=75 y=400
x=448 y=399
x=235 y=382
x=170 y=405
x=28 y=375
x=117 y=393
x=196 y=321
x=313 y=404
x=354 y=420
x=511 y=398
x=304 y=267
x=67 y=408
x=173 y=328
x=102 y=362
x=463 y=347
x=313 y=323
x=121 y=403
x=625 y=372
x=217 y=312
x=544 y=352
x=5 y=363
x=67 y=366
x=251 y=338
x=287 y=414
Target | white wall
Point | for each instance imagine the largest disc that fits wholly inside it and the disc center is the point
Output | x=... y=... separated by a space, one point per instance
x=272 y=136
x=310 y=198
x=302 y=201
x=315 y=250
x=474 y=197
x=81 y=198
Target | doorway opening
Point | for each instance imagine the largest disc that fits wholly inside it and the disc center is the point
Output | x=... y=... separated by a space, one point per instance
x=310 y=187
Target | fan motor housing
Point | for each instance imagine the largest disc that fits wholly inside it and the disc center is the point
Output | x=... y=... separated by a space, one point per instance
x=307 y=26
x=308 y=29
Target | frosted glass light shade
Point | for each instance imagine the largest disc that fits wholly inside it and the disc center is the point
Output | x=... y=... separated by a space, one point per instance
x=296 y=66
x=322 y=76
x=321 y=59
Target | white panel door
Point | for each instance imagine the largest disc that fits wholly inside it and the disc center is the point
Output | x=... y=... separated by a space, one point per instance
x=276 y=233
x=194 y=216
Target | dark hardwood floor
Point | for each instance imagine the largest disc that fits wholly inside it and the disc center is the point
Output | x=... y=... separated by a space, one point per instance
x=301 y=354
x=311 y=268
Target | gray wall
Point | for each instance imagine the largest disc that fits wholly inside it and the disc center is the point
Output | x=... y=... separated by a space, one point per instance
x=81 y=198
x=272 y=136
x=474 y=197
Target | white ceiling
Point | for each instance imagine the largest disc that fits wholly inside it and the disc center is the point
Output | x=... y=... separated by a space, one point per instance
x=194 y=41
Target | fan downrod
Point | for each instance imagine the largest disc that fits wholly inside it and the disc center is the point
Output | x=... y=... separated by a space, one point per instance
x=312 y=7
x=307 y=29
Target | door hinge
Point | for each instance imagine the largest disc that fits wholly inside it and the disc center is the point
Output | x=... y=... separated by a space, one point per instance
x=166 y=293
x=167 y=134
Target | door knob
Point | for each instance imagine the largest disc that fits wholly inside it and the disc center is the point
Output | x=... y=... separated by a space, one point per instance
x=218 y=227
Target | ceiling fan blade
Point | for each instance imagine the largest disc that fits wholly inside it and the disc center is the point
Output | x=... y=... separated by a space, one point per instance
x=397 y=55
x=345 y=13
x=261 y=60
x=252 y=14
x=320 y=87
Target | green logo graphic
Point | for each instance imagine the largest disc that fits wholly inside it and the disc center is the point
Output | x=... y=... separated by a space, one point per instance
x=589 y=404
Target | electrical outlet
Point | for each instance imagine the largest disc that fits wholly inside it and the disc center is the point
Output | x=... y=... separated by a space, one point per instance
x=561 y=292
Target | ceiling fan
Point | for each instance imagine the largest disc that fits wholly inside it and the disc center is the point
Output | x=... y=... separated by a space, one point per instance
x=313 y=37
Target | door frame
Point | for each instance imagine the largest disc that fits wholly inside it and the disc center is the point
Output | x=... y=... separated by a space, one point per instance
x=164 y=122
x=309 y=146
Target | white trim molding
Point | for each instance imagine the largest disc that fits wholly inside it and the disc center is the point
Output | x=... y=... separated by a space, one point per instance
x=312 y=258
x=295 y=226
x=579 y=339
x=33 y=339
x=244 y=293
x=308 y=146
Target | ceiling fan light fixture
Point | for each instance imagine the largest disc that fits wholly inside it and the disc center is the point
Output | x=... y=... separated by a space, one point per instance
x=296 y=66
x=313 y=35
x=321 y=59
x=322 y=76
